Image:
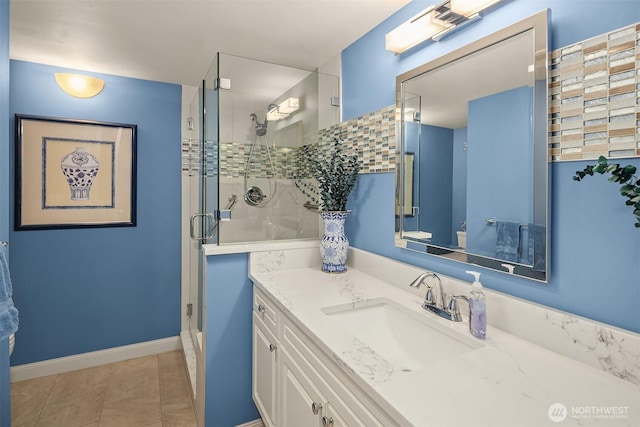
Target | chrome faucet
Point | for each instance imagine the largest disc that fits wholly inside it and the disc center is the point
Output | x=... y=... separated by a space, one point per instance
x=438 y=303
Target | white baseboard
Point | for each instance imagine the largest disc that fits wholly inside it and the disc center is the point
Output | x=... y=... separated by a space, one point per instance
x=254 y=423
x=93 y=358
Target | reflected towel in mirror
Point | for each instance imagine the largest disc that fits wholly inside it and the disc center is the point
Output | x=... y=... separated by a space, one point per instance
x=537 y=246
x=507 y=240
x=8 y=313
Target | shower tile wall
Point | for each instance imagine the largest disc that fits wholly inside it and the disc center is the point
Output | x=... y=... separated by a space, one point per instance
x=233 y=158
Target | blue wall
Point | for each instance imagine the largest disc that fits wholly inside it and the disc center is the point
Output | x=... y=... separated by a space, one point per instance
x=229 y=305
x=499 y=168
x=5 y=392
x=459 y=183
x=435 y=163
x=82 y=290
x=594 y=245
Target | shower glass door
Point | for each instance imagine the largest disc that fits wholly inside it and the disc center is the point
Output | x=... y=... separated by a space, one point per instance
x=203 y=124
x=192 y=143
x=267 y=112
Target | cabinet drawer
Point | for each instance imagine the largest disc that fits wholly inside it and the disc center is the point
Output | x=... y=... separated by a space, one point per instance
x=354 y=410
x=265 y=311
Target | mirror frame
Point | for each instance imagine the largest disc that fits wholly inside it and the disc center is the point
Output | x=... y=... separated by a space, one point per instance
x=539 y=23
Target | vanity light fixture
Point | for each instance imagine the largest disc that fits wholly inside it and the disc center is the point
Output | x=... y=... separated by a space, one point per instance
x=436 y=22
x=470 y=7
x=282 y=110
x=79 y=85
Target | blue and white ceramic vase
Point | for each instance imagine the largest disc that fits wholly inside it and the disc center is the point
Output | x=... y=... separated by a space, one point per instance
x=334 y=245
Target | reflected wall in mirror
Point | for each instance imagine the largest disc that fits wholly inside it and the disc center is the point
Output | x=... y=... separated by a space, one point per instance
x=475 y=121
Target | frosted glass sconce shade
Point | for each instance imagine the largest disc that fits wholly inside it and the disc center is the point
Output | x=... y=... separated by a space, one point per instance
x=78 y=85
x=469 y=7
x=413 y=32
x=435 y=22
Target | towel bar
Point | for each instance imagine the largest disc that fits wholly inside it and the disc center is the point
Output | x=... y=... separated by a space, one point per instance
x=492 y=221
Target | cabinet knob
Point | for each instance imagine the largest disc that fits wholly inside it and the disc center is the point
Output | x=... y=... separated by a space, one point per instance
x=316 y=407
x=327 y=421
x=272 y=347
x=261 y=308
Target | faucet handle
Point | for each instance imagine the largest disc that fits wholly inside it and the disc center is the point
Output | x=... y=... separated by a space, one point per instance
x=429 y=297
x=453 y=308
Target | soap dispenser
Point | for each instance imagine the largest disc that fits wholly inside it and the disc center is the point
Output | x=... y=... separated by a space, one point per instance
x=477 y=308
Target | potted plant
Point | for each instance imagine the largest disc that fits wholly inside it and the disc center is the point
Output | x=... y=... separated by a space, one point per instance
x=326 y=175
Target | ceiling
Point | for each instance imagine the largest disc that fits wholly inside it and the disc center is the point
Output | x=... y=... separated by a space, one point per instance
x=175 y=41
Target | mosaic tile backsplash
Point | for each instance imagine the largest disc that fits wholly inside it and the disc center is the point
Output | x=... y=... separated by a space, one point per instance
x=594 y=96
x=372 y=136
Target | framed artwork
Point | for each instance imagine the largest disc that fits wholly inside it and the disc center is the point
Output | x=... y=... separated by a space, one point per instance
x=74 y=174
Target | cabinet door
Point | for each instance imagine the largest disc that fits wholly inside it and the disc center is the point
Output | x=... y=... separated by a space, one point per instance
x=264 y=371
x=298 y=396
x=331 y=418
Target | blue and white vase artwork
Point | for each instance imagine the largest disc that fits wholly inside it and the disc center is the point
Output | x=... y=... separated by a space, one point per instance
x=334 y=245
x=80 y=169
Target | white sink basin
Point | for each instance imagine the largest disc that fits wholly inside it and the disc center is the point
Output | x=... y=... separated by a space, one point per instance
x=406 y=339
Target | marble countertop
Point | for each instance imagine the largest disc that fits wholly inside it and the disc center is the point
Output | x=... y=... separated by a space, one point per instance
x=507 y=381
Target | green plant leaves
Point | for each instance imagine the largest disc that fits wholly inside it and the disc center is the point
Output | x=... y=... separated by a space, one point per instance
x=335 y=174
x=623 y=175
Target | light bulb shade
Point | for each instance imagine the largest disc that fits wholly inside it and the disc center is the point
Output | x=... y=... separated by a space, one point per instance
x=413 y=32
x=470 y=7
x=282 y=110
x=289 y=105
x=78 y=85
x=274 y=115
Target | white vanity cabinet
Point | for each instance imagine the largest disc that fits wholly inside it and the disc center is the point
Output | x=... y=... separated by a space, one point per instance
x=301 y=403
x=296 y=384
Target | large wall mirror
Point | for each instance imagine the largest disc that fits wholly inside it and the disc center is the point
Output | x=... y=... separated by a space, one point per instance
x=473 y=170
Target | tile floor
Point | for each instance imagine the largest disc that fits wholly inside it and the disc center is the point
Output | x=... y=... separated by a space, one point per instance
x=147 y=391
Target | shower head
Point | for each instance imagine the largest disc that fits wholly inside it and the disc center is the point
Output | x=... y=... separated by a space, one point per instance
x=261 y=128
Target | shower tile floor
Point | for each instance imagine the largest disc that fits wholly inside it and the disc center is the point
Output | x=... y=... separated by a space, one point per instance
x=147 y=391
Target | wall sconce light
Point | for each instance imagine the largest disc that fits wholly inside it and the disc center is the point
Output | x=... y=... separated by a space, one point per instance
x=436 y=22
x=282 y=110
x=78 y=85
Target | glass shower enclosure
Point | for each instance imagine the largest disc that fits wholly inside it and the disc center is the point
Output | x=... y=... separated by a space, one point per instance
x=248 y=122
x=257 y=116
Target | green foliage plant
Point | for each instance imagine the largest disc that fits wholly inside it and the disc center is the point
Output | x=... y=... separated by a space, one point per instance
x=621 y=174
x=326 y=177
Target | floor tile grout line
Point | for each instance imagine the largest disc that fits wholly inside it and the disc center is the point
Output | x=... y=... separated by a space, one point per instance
x=46 y=401
x=104 y=397
x=160 y=389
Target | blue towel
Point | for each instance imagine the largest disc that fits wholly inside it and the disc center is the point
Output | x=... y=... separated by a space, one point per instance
x=538 y=244
x=527 y=247
x=8 y=313
x=507 y=240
